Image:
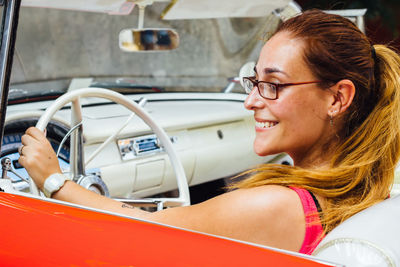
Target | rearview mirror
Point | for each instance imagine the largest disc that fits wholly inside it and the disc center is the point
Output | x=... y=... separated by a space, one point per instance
x=142 y=40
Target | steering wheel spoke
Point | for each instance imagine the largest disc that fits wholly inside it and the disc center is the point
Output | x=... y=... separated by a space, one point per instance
x=77 y=153
x=77 y=162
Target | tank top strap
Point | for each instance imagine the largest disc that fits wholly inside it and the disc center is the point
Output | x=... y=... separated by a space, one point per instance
x=314 y=229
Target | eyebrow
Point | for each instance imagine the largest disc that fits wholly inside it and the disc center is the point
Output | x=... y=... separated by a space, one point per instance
x=272 y=70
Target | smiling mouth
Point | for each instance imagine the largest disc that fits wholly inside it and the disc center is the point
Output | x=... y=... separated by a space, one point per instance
x=266 y=124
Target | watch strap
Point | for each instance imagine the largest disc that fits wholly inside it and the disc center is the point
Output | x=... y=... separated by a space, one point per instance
x=53 y=183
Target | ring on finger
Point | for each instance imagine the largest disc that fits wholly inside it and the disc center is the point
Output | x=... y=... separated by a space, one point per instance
x=20 y=148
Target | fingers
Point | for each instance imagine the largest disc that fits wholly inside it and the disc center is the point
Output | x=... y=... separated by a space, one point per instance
x=38 y=158
x=20 y=149
x=22 y=160
x=28 y=140
x=37 y=155
x=36 y=133
x=35 y=142
x=34 y=139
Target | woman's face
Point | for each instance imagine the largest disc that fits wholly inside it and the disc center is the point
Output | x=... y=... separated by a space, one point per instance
x=297 y=122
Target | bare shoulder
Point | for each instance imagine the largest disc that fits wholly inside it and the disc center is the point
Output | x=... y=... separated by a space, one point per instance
x=270 y=215
x=275 y=212
x=269 y=197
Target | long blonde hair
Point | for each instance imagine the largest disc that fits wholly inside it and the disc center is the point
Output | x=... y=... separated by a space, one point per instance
x=361 y=171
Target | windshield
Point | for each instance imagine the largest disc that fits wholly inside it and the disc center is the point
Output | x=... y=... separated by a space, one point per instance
x=54 y=47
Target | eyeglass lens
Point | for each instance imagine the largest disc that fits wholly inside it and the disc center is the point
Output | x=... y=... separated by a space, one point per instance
x=266 y=90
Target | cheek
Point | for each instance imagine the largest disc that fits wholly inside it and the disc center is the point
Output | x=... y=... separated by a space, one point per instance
x=286 y=109
x=299 y=115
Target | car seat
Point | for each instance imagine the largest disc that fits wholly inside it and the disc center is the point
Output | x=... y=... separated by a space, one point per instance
x=369 y=238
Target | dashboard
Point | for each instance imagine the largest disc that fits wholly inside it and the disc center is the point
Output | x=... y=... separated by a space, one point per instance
x=212 y=133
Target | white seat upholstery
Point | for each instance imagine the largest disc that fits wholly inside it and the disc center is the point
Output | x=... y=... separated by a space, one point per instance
x=369 y=238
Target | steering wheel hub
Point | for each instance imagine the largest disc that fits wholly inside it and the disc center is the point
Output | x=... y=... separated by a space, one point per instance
x=94 y=183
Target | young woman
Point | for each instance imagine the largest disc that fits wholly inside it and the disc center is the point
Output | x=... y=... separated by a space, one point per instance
x=321 y=93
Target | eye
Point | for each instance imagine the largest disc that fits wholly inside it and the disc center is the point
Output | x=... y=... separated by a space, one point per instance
x=273 y=86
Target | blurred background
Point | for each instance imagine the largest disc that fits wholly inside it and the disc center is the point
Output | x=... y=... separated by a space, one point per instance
x=55 y=46
x=382 y=18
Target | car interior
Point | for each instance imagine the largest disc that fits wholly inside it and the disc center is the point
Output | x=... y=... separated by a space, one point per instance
x=173 y=136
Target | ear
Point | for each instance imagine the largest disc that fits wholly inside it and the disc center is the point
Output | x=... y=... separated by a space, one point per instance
x=343 y=94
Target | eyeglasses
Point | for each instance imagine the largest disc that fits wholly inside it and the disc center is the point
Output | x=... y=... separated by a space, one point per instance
x=267 y=90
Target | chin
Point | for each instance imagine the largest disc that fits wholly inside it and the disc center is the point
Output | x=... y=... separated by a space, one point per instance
x=261 y=151
x=263 y=147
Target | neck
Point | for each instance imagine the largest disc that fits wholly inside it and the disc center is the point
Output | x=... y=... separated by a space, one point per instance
x=311 y=163
x=315 y=158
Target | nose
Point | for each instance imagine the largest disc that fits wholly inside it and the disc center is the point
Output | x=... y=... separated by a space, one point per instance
x=253 y=100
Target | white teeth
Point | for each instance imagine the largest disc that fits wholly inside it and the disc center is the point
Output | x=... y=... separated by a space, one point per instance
x=267 y=124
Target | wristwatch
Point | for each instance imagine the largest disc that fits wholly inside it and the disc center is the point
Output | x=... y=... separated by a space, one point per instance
x=53 y=183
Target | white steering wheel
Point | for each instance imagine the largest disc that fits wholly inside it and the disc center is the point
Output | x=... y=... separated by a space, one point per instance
x=77 y=144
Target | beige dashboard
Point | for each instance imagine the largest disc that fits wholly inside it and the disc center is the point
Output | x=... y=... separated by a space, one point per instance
x=211 y=132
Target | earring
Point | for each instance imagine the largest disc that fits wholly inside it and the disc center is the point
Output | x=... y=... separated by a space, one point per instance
x=331 y=117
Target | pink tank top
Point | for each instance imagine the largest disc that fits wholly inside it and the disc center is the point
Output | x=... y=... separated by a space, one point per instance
x=314 y=230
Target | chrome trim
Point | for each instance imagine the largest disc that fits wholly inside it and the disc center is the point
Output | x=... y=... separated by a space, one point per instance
x=231 y=85
x=143 y=202
x=94 y=181
x=77 y=168
x=66 y=137
x=130 y=148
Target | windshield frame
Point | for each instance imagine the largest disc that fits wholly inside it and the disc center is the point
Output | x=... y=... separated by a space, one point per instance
x=9 y=26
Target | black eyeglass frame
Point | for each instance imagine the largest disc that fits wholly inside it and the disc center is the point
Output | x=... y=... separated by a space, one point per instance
x=277 y=86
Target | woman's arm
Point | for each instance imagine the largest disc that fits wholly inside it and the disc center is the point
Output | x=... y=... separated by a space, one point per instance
x=40 y=161
x=269 y=215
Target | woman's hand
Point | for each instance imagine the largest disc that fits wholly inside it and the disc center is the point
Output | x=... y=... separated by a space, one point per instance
x=38 y=156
